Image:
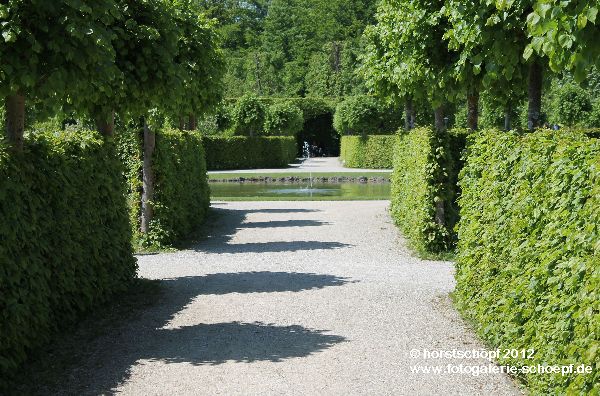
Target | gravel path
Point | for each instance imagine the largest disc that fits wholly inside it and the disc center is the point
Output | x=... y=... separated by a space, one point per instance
x=299 y=298
x=319 y=164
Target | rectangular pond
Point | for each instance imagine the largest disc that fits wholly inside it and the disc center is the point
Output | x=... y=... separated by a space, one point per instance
x=223 y=191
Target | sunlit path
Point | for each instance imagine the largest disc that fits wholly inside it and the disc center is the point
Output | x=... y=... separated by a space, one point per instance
x=296 y=298
x=319 y=164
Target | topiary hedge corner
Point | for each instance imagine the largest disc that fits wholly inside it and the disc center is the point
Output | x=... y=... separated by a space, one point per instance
x=240 y=152
x=371 y=152
x=66 y=239
x=424 y=191
x=528 y=266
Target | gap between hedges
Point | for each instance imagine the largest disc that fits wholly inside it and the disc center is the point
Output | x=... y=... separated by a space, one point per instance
x=181 y=192
x=424 y=188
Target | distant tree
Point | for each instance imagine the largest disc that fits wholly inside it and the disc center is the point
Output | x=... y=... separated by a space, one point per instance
x=365 y=115
x=240 y=23
x=249 y=116
x=407 y=57
x=200 y=63
x=283 y=119
x=492 y=40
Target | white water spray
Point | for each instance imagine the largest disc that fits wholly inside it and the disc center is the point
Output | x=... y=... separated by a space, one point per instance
x=306 y=150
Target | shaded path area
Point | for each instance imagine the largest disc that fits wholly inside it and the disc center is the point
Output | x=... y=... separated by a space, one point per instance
x=290 y=298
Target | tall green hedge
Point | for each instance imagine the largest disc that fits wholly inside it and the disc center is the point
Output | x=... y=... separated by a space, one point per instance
x=66 y=240
x=371 y=152
x=528 y=268
x=423 y=198
x=181 y=192
x=240 y=152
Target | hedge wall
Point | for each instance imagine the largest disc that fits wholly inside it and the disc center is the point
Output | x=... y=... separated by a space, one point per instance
x=181 y=192
x=66 y=240
x=371 y=152
x=424 y=192
x=240 y=152
x=528 y=268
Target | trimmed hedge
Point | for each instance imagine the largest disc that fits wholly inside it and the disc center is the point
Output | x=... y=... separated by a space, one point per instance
x=248 y=116
x=66 y=240
x=366 y=115
x=371 y=152
x=528 y=267
x=424 y=192
x=181 y=192
x=283 y=119
x=240 y=152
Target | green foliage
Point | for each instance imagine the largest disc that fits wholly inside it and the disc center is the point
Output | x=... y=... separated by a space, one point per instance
x=275 y=48
x=567 y=32
x=182 y=195
x=57 y=46
x=130 y=153
x=283 y=119
x=406 y=55
x=594 y=116
x=371 y=152
x=527 y=268
x=313 y=107
x=66 y=240
x=490 y=38
x=292 y=47
x=423 y=203
x=366 y=115
x=248 y=117
x=240 y=152
x=570 y=105
x=240 y=21
x=313 y=111
x=200 y=62
x=181 y=192
x=331 y=71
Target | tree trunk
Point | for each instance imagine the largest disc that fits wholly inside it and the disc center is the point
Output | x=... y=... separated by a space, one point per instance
x=106 y=124
x=336 y=56
x=507 y=119
x=473 y=109
x=181 y=123
x=15 y=119
x=409 y=121
x=438 y=115
x=193 y=124
x=147 y=178
x=257 y=74
x=535 y=96
x=440 y=213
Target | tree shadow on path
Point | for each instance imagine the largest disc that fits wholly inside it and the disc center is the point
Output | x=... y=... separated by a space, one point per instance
x=109 y=360
x=262 y=282
x=224 y=223
x=153 y=335
x=238 y=342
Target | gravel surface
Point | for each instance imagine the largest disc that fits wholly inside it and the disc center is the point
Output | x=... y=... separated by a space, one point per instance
x=299 y=298
x=319 y=164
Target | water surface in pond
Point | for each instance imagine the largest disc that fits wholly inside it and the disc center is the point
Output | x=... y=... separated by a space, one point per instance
x=282 y=191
